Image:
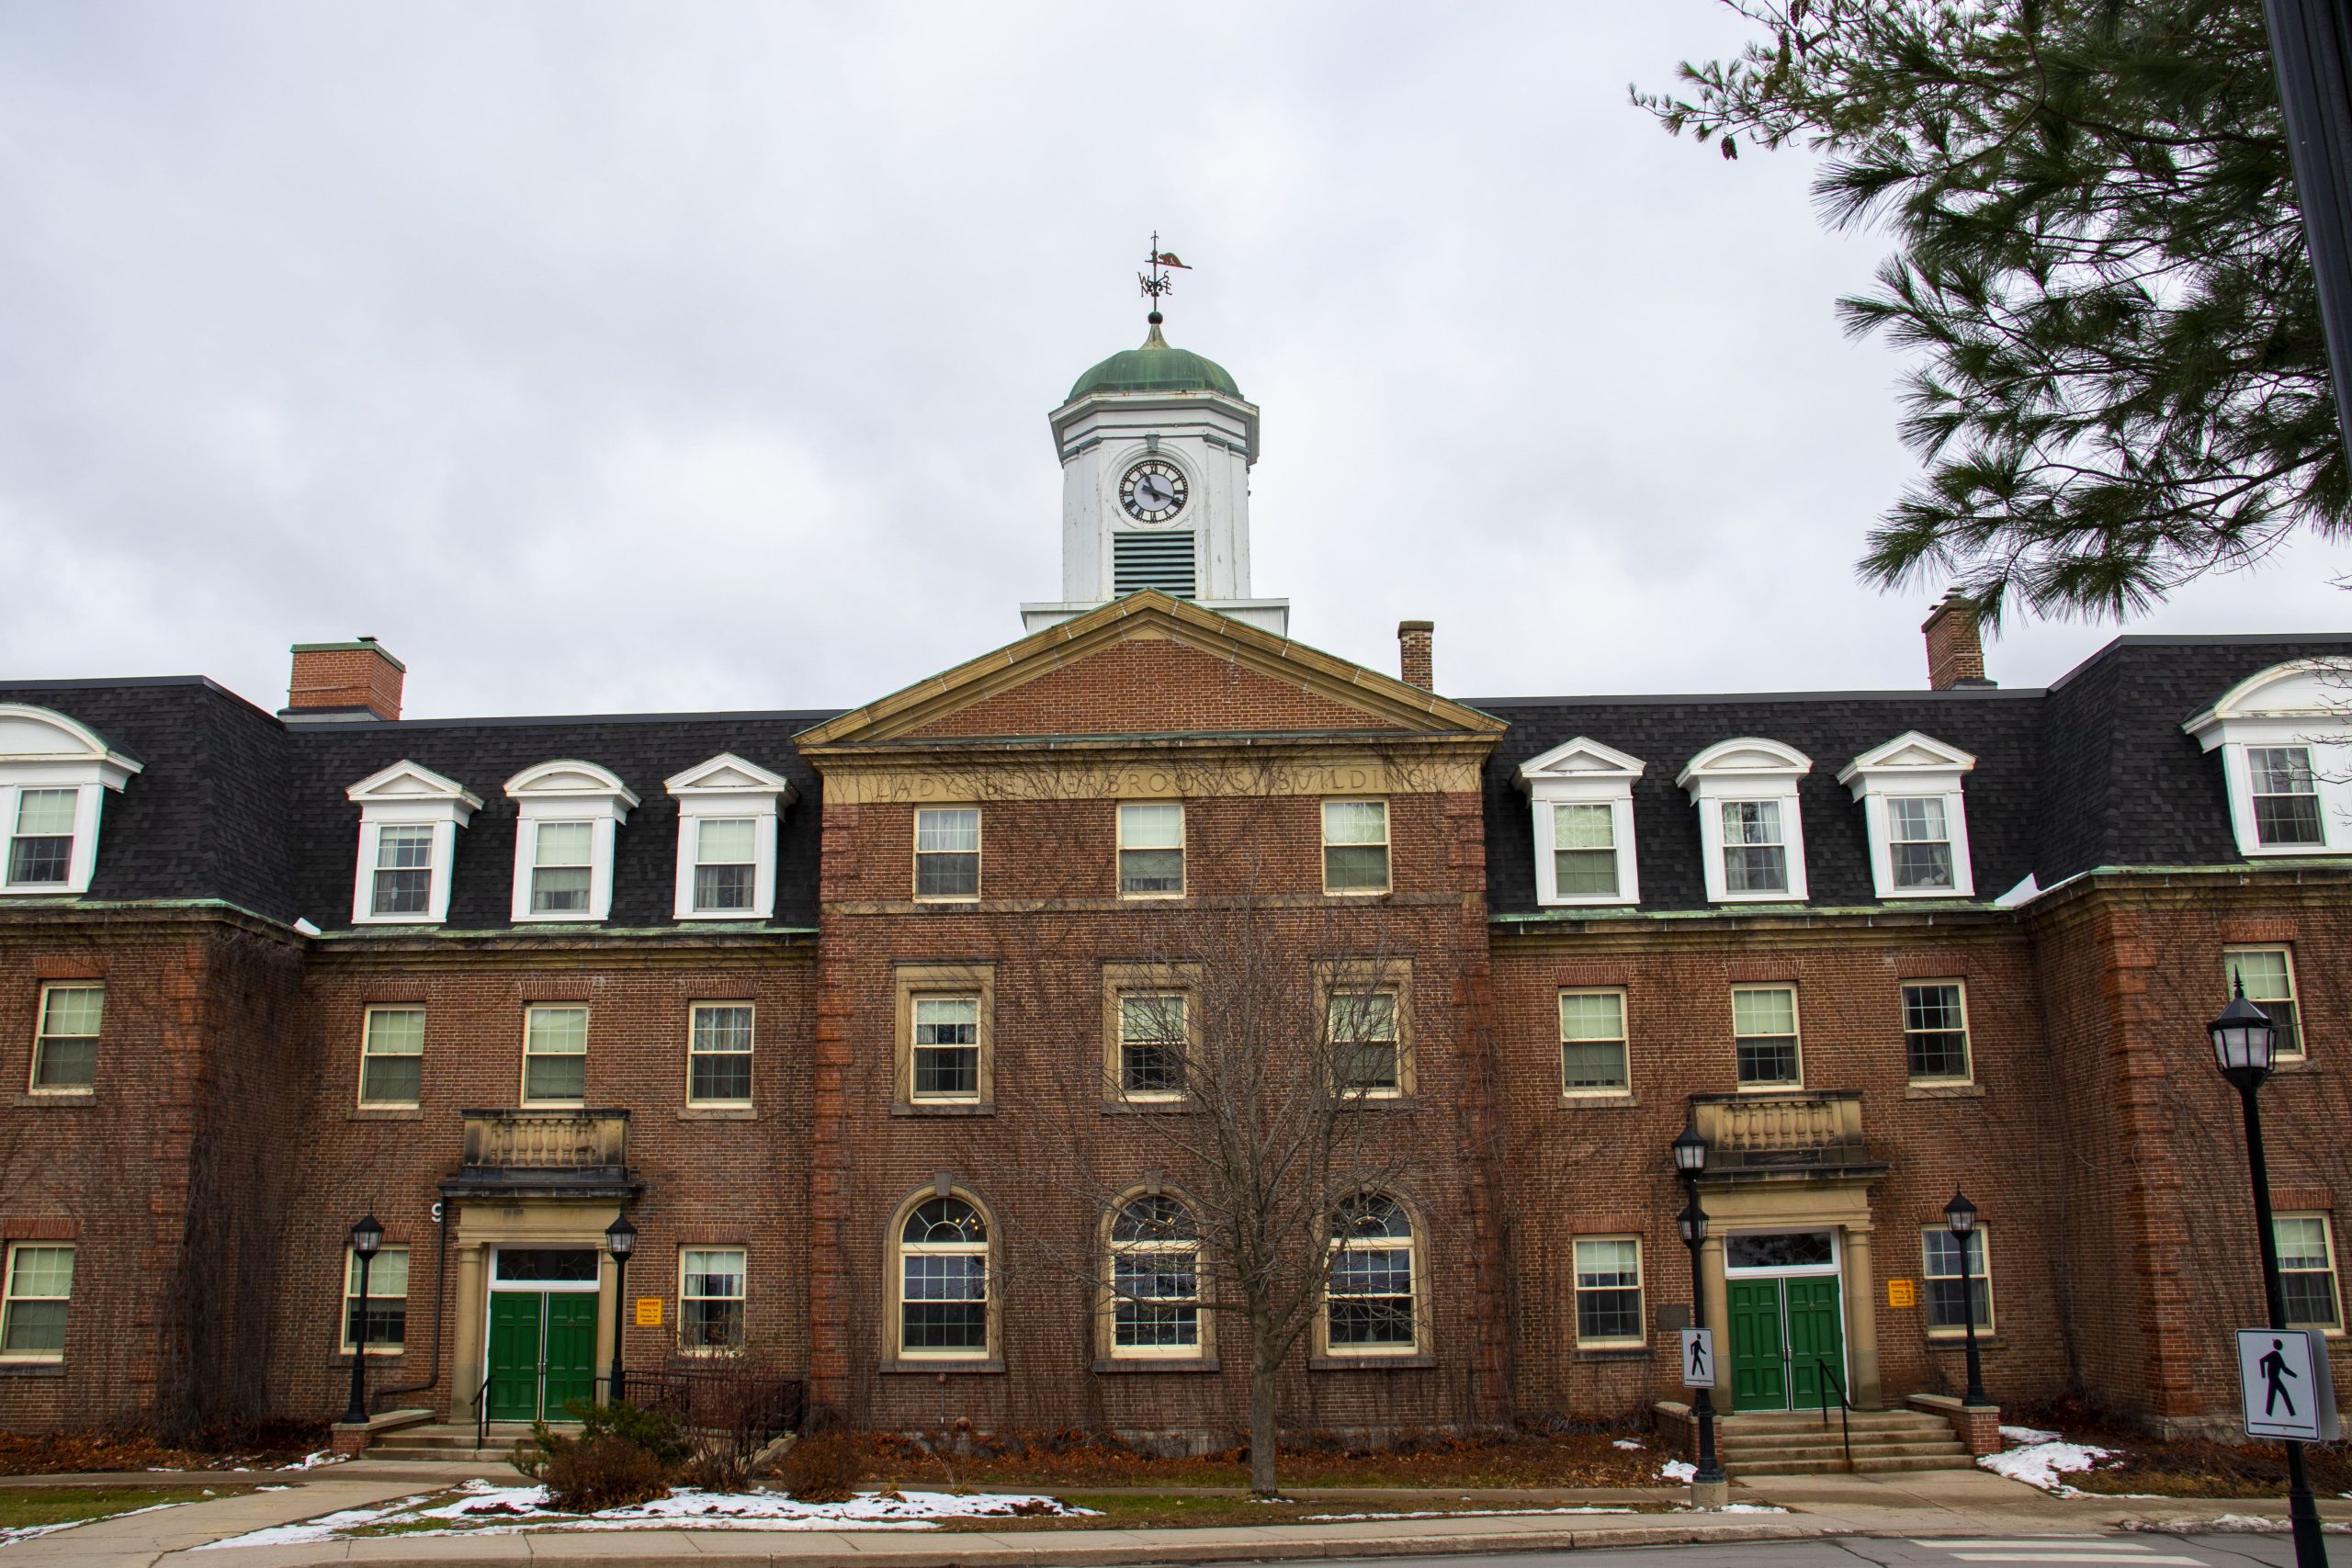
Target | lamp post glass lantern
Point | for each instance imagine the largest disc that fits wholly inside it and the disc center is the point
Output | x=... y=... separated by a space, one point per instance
x=366 y=1237
x=1689 y=1152
x=2244 y=1046
x=1959 y=1218
x=620 y=1239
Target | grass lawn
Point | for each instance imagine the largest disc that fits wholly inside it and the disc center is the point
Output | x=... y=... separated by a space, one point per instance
x=1129 y=1510
x=1056 y=1462
x=22 y=1508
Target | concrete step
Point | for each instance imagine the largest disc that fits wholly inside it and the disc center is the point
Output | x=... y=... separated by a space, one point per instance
x=1960 y=1460
x=440 y=1455
x=1809 y=1420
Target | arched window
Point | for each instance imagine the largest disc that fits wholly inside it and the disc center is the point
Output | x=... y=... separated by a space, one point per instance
x=1369 y=1305
x=1154 y=1279
x=943 y=1282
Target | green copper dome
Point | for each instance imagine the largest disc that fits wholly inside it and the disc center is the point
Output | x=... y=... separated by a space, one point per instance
x=1155 y=367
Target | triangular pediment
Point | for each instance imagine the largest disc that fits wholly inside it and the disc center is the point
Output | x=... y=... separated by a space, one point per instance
x=411 y=780
x=1150 y=665
x=1583 y=758
x=1909 y=753
x=728 y=775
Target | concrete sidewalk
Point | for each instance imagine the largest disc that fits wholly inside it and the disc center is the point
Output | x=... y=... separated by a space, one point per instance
x=1923 y=1503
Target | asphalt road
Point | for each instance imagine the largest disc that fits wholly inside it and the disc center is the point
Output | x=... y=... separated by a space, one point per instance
x=2022 y=1551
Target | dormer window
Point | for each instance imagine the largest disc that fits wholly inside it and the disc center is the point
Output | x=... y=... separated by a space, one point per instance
x=1582 y=793
x=1751 y=830
x=567 y=816
x=409 y=818
x=54 y=773
x=2285 y=737
x=1910 y=793
x=728 y=811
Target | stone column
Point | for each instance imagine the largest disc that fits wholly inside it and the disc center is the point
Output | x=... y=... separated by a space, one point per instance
x=466 y=1336
x=1718 y=1300
x=1861 y=1319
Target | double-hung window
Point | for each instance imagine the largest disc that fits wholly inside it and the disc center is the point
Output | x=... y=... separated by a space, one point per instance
x=947 y=1055
x=1609 y=1292
x=1764 y=1036
x=1756 y=848
x=386 y=1330
x=2306 y=1272
x=404 y=883
x=943 y=1282
x=1151 y=851
x=1592 y=1042
x=1948 y=1300
x=2286 y=796
x=1370 y=1296
x=710 y=1300
x=1154 y=1030
x=1355 y=846
x=555 y=1055
x=391 y=1056
x=947 y=852
x=1935 y=1030
x=726 y=864
x=2269 y=975
x=32 y=1316
x=1918 y=843
x=1366 y=1054
x=1154 y=1279
x=65 y=1049
x=718 y=1054
x=559 y=867
x=1584 y=848
x=40 y=851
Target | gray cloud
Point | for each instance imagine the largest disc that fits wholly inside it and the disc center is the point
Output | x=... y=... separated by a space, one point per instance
x=603 y=356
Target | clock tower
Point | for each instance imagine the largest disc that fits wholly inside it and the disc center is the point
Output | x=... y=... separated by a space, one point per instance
x=1156 y=445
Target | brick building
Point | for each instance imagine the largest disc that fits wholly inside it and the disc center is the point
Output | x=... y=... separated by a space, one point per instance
x=877 y=1025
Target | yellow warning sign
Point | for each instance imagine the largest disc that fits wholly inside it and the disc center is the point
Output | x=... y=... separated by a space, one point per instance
x=649 y=1311
x=1899 y=1293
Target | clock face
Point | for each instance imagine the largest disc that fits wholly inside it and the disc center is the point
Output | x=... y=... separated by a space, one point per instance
x=1153 y=492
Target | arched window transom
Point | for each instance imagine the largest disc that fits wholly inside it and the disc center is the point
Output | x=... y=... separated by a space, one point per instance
x=944 y=1281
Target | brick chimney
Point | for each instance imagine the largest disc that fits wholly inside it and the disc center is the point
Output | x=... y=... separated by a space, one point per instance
x=345 y=678
x=1955 y=653
x=1416 y=651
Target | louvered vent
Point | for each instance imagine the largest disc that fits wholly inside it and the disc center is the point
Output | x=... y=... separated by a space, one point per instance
x=1154 y=560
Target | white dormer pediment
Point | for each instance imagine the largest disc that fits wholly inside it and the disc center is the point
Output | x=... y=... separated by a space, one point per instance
x=1909 y=756
x=406 y=782
x=1748 y=757
x=1581 y=759
x=2285 y=737
x=728 y=775
x=2309 y=693
x=38 y=740
x=570 y=780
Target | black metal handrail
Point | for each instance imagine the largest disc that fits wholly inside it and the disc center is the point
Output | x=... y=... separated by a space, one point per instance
x=759 y=1407
x=1821 y=1392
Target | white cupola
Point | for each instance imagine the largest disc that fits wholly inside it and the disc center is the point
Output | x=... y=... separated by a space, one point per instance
x=1156 y=445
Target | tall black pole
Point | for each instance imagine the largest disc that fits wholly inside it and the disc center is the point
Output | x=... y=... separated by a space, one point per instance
x=2311 y=42
x=1975 y=1397
x=2303 y=1513
x=621 y=1325
x=355 y=1413
x=1711 y=1470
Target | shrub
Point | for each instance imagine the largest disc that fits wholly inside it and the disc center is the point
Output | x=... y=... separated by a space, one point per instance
x=823 y=1468
x=587 y=1475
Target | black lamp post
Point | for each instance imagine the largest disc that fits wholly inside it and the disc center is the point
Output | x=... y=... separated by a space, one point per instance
x=1960 y=1217
x=620 y=1238
x=2244 y=1042
x=366 y=1237
x=1690 y=1160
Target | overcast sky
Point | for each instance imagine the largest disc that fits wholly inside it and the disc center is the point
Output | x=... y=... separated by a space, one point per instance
x=698 y=355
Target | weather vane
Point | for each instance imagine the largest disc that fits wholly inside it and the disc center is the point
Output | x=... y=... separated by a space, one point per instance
x=1155 y=280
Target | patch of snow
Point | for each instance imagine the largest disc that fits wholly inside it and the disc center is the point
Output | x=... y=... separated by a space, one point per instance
x=2029 y=1435
x=1677 y=1470
x=312 y=1460
x=2044 y=1464
x=32 y=1532
x=1627 y=1443
x=2223 y=1524
x=519 y=1508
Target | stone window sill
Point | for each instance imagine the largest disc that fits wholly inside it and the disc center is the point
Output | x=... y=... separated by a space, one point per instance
x=1943 y=1092
x=386 y=1113
x=1617 y=1353
x=1148 y=1107
x=1596 y=1102
x=81 y=1097
x=718 y=1114
x=32 y=1368
x=1369 y=1363
x=891 y=1368
x=1942 y=1341
x=1149 y=1364
x=945 y=1108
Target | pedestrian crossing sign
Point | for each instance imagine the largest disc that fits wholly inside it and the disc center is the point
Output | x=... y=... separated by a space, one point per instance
x=1697 y=1358
x=2288 y=1394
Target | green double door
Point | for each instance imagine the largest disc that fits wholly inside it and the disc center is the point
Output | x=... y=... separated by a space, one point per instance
x=542 y=1353
x=1783 y=1329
